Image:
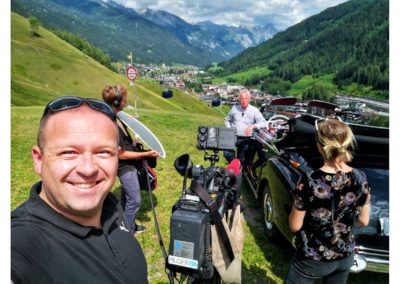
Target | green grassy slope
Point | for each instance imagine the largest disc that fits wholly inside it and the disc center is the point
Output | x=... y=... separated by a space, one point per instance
x=46 y=67
x=307 y=81
x=242 y=77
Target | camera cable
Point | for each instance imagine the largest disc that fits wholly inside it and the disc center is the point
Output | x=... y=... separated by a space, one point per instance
x=164 y=252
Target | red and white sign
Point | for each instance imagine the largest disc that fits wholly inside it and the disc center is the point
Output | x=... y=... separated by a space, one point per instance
x=132 y=73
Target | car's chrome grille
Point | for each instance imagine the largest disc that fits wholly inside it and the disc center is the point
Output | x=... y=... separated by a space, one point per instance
x=377 y=259
x=375 y=253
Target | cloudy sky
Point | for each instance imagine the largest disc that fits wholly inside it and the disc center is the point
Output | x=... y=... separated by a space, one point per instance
x=281 y=13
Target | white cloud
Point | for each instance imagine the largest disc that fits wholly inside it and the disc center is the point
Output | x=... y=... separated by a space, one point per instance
x=281 y=13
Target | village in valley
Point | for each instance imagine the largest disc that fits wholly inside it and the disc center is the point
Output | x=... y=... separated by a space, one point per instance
x=195 y=81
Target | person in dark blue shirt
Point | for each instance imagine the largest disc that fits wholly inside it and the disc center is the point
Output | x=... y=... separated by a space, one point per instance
x=72 y=229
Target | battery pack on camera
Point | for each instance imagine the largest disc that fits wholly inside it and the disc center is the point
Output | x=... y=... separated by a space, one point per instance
x=188 y=233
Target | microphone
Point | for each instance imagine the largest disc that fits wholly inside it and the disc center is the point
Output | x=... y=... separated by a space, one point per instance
x=234 y=166
x=242 y=114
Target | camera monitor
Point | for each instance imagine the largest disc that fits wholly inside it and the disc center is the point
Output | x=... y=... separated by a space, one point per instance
x=216 y=138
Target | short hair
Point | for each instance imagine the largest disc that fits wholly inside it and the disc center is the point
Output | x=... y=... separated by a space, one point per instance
x=336 y=139
x=43 y=122
x=109 y=96
x=245 y=92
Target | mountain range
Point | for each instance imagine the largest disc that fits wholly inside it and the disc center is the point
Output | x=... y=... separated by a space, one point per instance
x=349 y=41
x=223 y=39
x=152 y=36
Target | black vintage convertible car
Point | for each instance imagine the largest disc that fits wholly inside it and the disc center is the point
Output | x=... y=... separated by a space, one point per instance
x=290 y=149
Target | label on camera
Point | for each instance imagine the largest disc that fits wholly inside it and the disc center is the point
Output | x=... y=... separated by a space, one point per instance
x=181 y=261
x=192 y=197
x=183 y=249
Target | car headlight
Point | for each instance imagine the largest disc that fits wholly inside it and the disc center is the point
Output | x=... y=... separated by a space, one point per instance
x=359 y=264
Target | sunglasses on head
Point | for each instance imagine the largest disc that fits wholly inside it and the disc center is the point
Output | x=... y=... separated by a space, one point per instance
x=68 y=102
x=319 y=120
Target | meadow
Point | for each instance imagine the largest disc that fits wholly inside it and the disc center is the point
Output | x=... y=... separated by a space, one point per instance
x=46 y=67
x=242 y=77
x=263 y=261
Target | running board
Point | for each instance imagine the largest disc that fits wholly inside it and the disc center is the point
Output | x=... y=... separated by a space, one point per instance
x=250 y=184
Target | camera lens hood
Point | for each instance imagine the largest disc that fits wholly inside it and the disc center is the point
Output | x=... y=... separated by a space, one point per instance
x=182 y=163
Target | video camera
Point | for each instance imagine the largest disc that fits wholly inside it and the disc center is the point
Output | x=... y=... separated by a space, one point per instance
x=216 y=138
x=212 y=192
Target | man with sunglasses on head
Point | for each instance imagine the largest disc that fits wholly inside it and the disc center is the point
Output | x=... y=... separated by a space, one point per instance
x=72 y=229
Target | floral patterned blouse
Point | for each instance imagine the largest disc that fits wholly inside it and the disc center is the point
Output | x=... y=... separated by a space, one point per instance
x=333 y=203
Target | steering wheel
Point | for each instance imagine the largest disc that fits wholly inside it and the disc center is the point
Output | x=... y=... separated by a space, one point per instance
x=276 y=120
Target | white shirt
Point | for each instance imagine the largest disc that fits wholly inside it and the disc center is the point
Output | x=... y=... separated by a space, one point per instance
x=240 y=119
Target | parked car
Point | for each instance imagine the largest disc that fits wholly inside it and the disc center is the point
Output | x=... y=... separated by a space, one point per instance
x=289 y=143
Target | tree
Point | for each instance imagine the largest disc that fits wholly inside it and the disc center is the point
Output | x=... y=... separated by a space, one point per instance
x=84 y=46
x=275 y=86
x=215 y=69
x=34 y=26
x=318 y=92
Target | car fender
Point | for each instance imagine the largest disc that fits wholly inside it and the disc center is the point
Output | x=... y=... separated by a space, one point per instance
x=281 y=178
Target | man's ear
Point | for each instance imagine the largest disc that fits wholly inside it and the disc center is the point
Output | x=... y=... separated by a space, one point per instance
x=37 y=159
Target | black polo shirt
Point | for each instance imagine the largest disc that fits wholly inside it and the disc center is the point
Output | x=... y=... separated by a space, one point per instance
x=47 y=247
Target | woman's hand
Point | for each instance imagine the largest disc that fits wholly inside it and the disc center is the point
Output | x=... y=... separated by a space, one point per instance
x=152 y=154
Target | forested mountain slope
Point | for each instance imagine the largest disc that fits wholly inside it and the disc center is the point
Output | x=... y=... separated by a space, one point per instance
x=350 y=41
